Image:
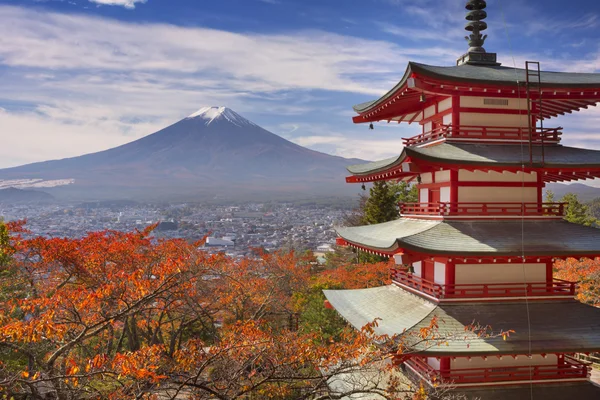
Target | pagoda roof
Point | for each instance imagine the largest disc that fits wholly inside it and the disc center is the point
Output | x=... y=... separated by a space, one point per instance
x=556 y=327
x=559 y=391
x=485 y=156
x=419 y=78
x=554 y=238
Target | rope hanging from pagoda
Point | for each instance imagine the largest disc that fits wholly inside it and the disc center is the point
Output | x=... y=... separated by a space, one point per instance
x=476 y=25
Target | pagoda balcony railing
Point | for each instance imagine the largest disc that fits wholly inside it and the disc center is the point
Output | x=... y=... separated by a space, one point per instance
x=446 y=209
x=486 y=134
x=569 y=369
x=556 y=288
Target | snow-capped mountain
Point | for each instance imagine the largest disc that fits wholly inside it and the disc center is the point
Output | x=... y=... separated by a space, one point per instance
x=209 y=114
x=213 y=152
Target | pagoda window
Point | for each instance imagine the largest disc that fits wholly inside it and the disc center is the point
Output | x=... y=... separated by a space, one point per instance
x=494 y=176
x=445 y=193
x=439 y=275
x=418 y=267
x=506 y=361
x=497 y=194
x=424 y=196
x=493 y=120
x=493 y=103
x=500 y=273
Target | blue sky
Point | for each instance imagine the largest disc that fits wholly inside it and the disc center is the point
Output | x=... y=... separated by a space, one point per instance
x=80 y=76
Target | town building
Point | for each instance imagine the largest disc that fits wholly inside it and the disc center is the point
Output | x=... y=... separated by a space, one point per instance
x=480 y=243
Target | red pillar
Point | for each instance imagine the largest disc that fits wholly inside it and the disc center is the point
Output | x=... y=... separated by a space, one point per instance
x=450 y=277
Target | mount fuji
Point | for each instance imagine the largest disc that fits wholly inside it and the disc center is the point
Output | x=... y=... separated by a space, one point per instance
x=214 y=152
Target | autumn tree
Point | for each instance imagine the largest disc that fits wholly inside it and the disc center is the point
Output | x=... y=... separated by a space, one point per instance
x=586 y=273
x=123 y=315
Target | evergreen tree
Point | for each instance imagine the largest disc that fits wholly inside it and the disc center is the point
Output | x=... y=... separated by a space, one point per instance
x=577 y=212
x=549 y=197
x=405 y=192
x=381 y=206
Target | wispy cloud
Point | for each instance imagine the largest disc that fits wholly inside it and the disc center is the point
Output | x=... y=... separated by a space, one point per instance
x=123 y=3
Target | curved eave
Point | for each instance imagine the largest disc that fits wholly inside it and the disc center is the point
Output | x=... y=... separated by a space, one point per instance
x=364 y=107
x=490 y=156
x=402 y=102
x=398 y=167
x=483 y=239
x=556 y=327
x=559 y=163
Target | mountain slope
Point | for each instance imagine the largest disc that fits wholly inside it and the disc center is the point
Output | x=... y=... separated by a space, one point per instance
x=214 y=151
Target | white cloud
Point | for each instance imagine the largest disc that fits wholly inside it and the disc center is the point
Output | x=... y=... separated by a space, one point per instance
x=89 y=83
x=123 y=3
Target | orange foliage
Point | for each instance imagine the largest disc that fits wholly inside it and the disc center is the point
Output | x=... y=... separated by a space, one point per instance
x=586 y=272
x=122 y=315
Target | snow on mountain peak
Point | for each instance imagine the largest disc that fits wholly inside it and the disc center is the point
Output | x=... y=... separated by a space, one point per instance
x=210 y=114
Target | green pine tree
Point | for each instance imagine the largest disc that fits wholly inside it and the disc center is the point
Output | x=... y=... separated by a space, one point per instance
x=577 y=212
x=381 y=206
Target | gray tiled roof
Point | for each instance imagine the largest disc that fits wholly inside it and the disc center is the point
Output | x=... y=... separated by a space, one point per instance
x=556 y=326
x=372 y=167
x=492 y=75
x=555 y=156
x=479 y=238
x=561 y=391
x=385 y=236
x=498 y=75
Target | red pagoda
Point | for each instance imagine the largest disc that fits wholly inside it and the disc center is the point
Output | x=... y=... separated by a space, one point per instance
x=480 y=243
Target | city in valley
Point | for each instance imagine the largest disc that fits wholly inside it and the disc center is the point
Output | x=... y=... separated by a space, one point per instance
x=237 y=230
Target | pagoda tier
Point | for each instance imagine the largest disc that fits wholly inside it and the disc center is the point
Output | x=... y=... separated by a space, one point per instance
x=552 y=163
x=539 y=350
x=423 y=86
x=476 y=239
x=480 y=243
x=566 y=326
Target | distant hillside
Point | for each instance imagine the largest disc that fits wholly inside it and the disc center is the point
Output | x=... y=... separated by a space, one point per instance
x=213 y=154
x=21 y=196
x=586 y=193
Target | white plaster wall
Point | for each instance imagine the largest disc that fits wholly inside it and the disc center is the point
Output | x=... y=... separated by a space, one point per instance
x=445 y=194
x=478 y=102
x=507 y=361
x=418 y=269
x=429 y=111
x=442 y=176
x=424 y=196
x=445 y=104
x=434 y=362
x=500 y=273
x=426 y=177
x=508 y=120
x=439 y=275
x=398 y=259
x=497 y=194
x=447 y=119
x=427 y=127
x=493 y=176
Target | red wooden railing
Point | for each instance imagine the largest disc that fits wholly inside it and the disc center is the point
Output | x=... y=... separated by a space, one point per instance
x=569 y=369
x=484 y=209
x=557 y=287
x=484 y=133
